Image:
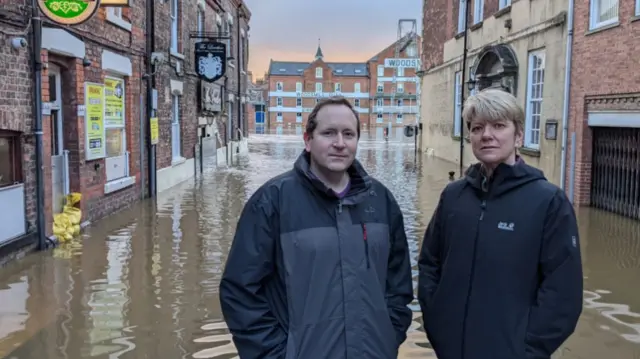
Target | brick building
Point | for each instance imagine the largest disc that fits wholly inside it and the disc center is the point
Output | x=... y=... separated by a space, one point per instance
x=515 y=45
x=102 y=62
x=184 y=114
x=295 y=87
x=605 y=106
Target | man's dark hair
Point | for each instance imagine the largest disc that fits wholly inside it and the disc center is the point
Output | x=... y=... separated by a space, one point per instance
x=312 y=122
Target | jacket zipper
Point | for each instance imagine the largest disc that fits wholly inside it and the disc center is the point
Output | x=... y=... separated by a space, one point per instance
x=483 y=207
x=340 y=206
x=366 y=244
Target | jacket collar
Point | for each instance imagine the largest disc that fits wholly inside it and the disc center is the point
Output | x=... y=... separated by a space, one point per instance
x=360 y=180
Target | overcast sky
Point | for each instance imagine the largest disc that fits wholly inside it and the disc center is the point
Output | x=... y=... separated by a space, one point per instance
x=349 y=30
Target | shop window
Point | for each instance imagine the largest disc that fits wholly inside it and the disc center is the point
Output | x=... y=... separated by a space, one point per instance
x=10 y=164
x=117 y=162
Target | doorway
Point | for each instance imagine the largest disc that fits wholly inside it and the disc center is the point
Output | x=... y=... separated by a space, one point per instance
x=59 y=156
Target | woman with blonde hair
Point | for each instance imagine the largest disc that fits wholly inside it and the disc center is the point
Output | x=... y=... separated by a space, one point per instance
x=500 y=274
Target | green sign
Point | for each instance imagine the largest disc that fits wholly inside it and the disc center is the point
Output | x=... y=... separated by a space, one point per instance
x=69 y=12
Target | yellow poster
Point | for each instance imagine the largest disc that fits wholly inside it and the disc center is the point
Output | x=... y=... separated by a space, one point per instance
x=155 y=131
x=114 y=102
x=94 y=121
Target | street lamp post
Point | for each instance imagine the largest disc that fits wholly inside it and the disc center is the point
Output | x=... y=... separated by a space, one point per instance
x=467 y=9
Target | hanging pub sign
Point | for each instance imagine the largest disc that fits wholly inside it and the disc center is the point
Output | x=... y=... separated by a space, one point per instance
x=75 y=12
x=69 y=12
x=211 y=60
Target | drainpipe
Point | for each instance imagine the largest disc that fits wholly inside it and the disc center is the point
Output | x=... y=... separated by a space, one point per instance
x=467 y=9
x=565 y=107
x=37 y=126
x=151 y=84
x=239 y=65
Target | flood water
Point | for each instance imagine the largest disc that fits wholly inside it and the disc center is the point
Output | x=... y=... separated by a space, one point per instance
x=143 y=283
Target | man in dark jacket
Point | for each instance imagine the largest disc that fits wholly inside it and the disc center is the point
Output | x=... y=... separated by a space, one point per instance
x=323 y=272
x=500 y=275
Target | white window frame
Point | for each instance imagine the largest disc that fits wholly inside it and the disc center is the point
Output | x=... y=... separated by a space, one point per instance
x=399 y=118
x=457 y=104
x=356 y=102
x=279 y=116
x=318 y=72
x=535 y=95
x=298 y=86
x=400 y=71
x=381 y=70
x=173 y=14
x=504 y=3
x=399 y=102
x=594 y=11
x=176 y=130
x=114 y=16
x=279 y=86
x=123 y=158
x=379 y=118
x=478 y=11
x=637 y=7
x=338 y=87
x=462 y=11
x=400 y=87
x=379 y=102
x=299 y=117
x=200 y=23
x=279 y=101
x=380 y=88
x=299 y=102
x=318 y=87
x=356 y=86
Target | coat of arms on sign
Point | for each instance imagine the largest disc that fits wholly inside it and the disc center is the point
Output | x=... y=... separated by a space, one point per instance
x=211 y=59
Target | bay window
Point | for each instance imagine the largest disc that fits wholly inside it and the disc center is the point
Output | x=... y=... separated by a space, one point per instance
x=10 y=162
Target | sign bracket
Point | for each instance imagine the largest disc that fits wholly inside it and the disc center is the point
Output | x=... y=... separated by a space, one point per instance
x=209 y=35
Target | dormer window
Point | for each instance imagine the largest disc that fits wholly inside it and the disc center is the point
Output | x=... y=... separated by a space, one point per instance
x=318 y=72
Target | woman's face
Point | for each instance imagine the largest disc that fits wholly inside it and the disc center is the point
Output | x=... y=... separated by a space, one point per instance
x=494 y=142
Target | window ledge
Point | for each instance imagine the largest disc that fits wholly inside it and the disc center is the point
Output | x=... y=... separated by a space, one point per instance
x=635 y=18
x=601 y=28
x=531 y=152
x=505 y=10
x=459 y=35
x=177 y=161
x=177 y=55
x=475 y=26
x=116 y=185
x=118 y=21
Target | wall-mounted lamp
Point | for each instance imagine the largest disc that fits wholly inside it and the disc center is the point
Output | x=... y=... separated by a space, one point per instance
x=86 y=62
x=471 y=85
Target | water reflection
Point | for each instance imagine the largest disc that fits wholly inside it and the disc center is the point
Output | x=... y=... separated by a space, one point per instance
x=143 y=284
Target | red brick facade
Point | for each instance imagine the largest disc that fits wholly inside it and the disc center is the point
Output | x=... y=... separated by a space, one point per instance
x=88 y=53
x=348 y=76
x=604 y=77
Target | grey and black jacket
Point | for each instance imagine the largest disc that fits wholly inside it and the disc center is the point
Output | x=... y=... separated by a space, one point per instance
x=312 y=276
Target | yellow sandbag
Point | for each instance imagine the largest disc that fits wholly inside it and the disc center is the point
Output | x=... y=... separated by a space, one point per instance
x=73 y=198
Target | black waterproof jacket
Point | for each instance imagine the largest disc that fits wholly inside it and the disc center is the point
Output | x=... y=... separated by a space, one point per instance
x=311 y=276
x=500 y=274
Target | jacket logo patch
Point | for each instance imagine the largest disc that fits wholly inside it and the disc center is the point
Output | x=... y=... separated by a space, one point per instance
x=506 y=226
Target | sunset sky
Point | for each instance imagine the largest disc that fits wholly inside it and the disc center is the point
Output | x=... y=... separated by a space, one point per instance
x=349 y=30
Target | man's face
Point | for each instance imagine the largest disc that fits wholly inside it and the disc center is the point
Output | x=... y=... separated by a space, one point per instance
x=334 y=142
x=494 y=142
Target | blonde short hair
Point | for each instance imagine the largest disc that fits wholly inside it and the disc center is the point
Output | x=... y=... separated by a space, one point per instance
x=493 y=105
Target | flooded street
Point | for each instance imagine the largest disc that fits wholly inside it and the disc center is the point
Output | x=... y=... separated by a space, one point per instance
x=143 y=283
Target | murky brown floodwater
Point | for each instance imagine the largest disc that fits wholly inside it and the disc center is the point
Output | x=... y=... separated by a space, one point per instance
x=143 y=283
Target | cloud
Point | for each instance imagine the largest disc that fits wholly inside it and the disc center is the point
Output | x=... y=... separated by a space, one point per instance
x=350 y=30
